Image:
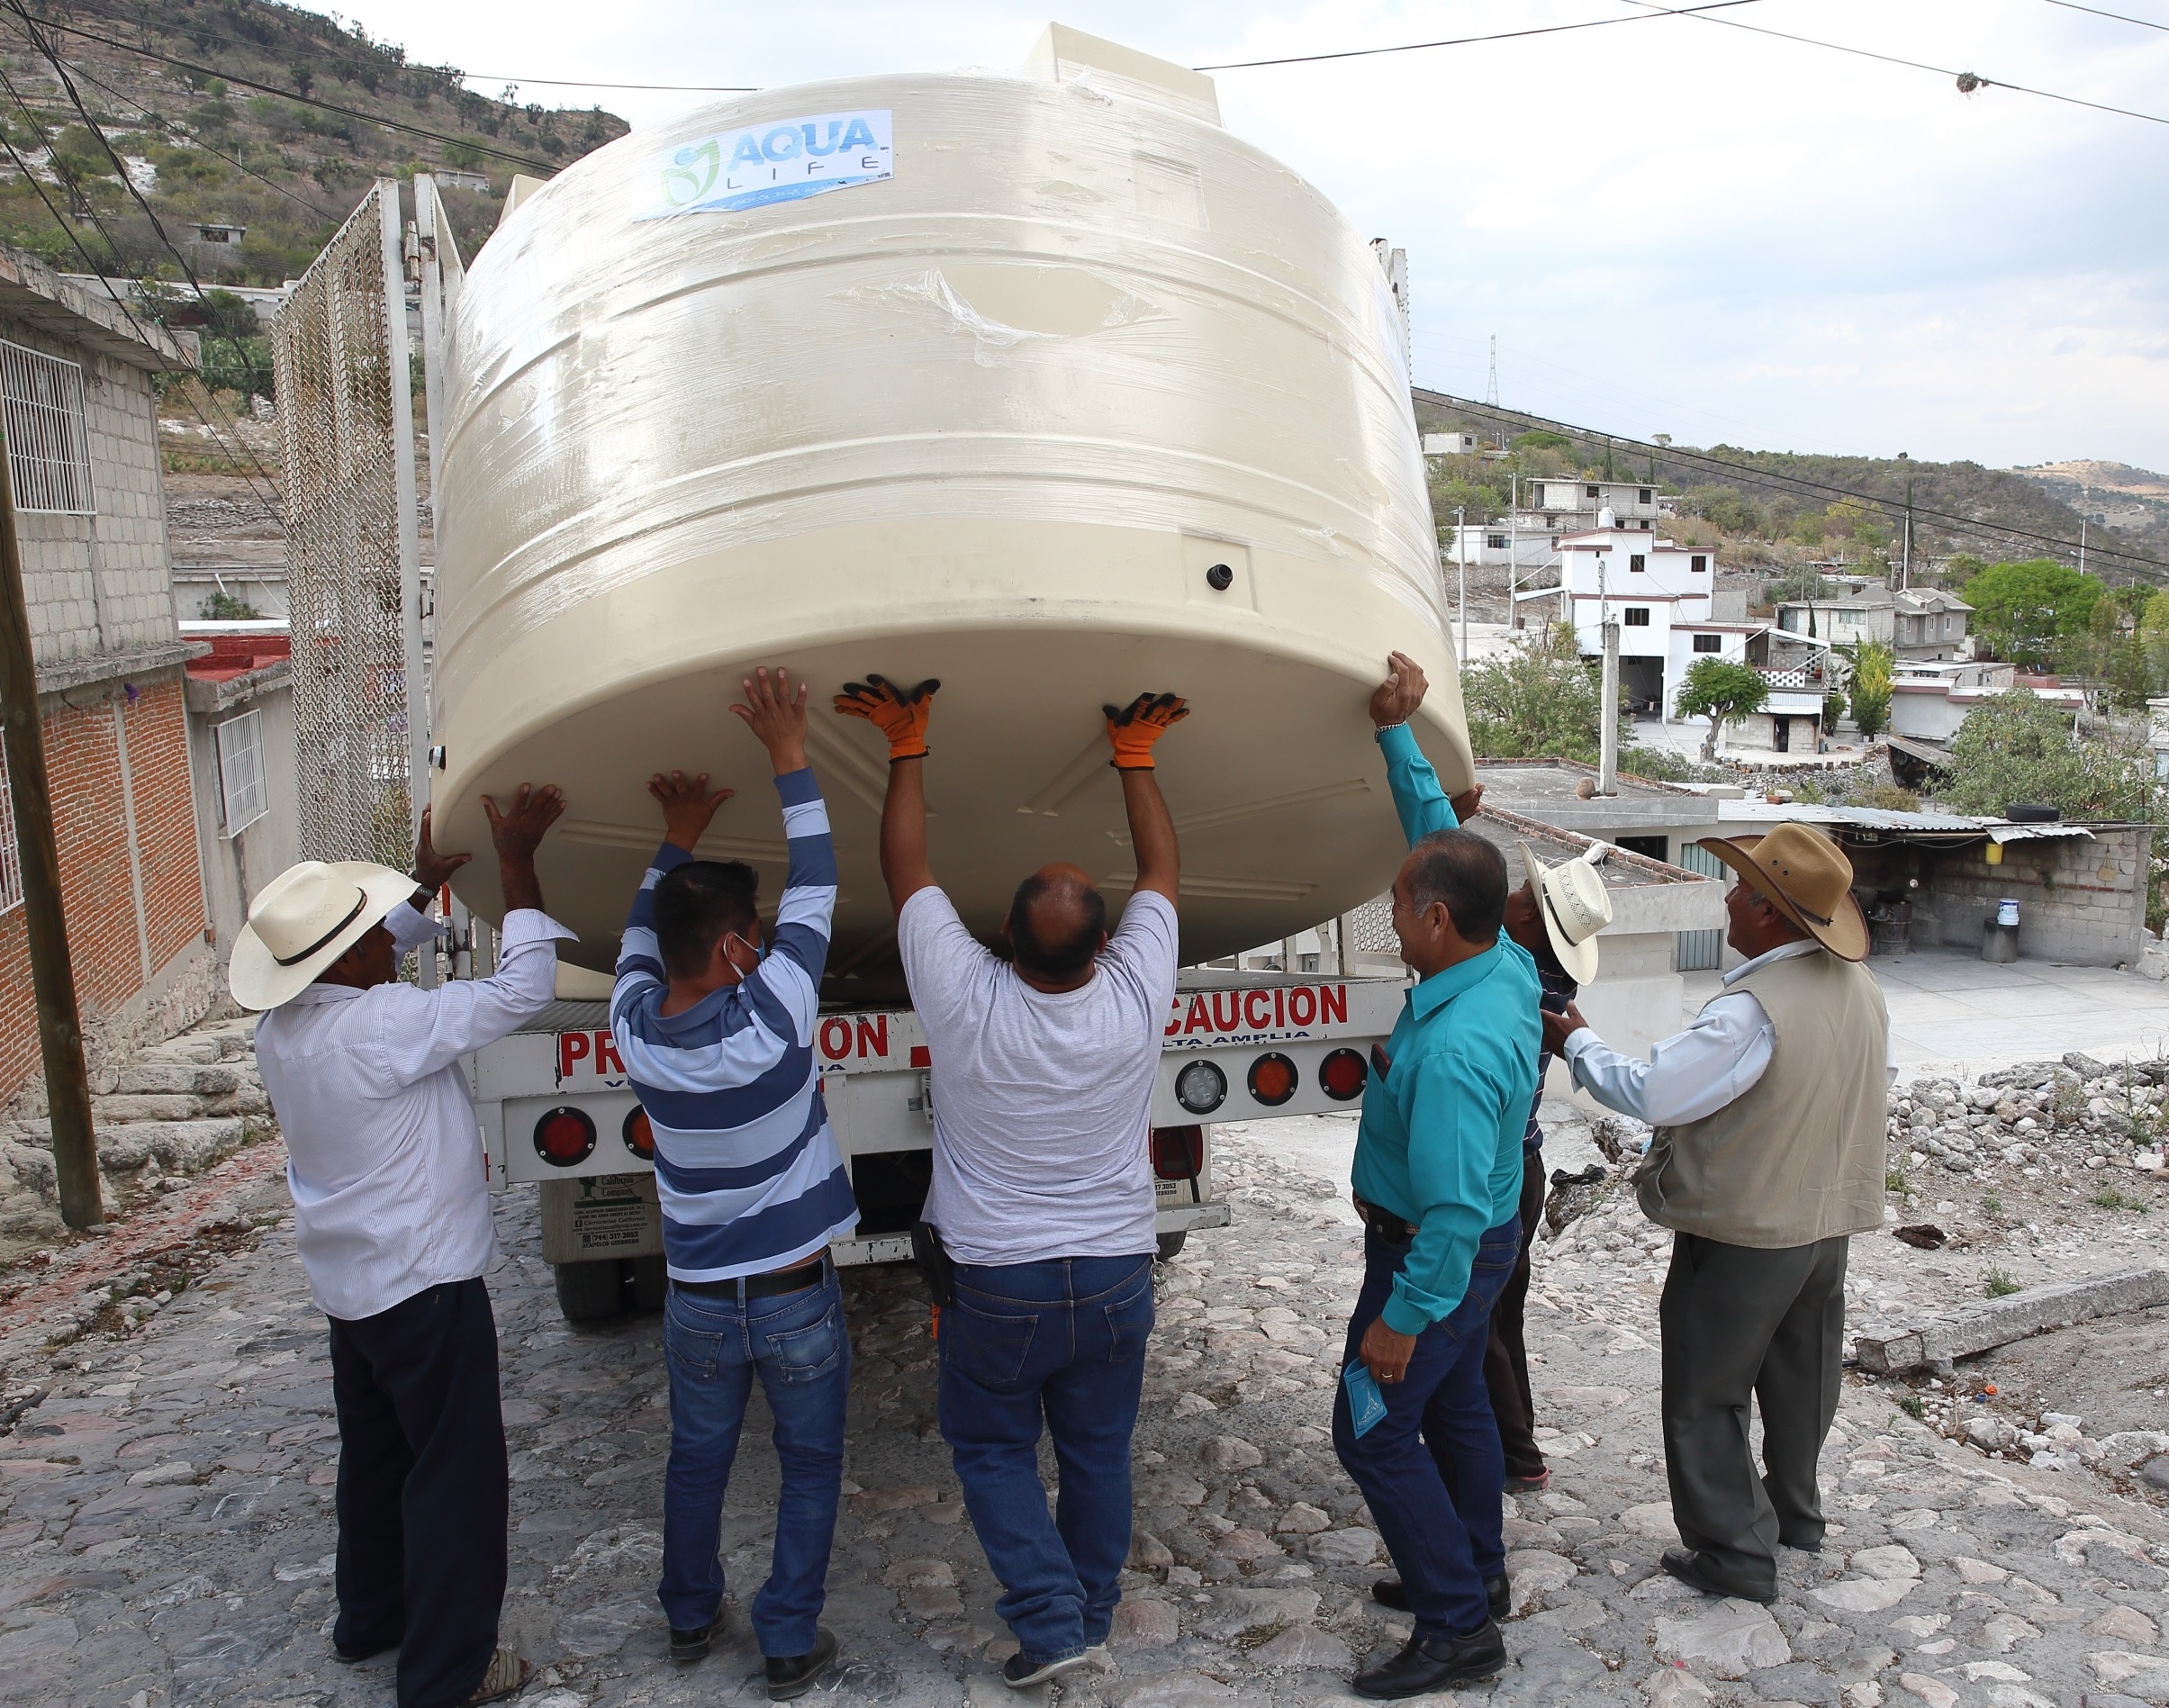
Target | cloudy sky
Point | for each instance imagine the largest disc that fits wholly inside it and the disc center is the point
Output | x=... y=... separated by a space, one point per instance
x=1670 y=225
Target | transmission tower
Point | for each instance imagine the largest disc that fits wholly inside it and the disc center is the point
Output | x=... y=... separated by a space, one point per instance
x=1491 y=385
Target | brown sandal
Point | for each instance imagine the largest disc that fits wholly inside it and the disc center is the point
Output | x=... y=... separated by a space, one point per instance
x=507 y=1676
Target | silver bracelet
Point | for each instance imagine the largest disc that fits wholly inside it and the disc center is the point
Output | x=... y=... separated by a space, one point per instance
x=1382 y=728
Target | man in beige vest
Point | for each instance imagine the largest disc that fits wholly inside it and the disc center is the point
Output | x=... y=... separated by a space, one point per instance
x=1768 y=1153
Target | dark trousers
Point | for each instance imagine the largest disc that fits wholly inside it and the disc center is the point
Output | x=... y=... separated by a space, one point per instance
x=1506 y=1358
x=422 y=1490
x=1738 y=1322
x=1061 y=1340
x=1429 y=1469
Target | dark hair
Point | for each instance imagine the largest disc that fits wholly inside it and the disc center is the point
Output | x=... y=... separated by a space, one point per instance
x=1056 y=957
x=695 y=905
x=1461 y=869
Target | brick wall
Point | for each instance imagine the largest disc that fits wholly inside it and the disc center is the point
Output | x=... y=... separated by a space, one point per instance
x=2081 y=900
x=99 y=583
x=106 y=940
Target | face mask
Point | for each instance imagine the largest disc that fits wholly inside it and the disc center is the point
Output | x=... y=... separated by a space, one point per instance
x=760 y=954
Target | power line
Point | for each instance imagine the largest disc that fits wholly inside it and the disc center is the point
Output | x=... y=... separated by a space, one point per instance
x=1463 y=42
x=1967 y=81
x=1799 y=483
x=591 y=82
x=2144 y=23
x=113 y=248
x=289 y=95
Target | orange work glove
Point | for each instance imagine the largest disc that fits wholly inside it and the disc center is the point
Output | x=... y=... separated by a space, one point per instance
x=899 y=714
x=1133 y=730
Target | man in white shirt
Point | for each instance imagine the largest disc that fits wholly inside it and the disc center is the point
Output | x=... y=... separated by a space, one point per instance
x=1043 y=1194
x=392 y=1223
x=1767 y=1156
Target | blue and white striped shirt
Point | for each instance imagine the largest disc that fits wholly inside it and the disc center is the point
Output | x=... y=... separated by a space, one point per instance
x=746 y=1166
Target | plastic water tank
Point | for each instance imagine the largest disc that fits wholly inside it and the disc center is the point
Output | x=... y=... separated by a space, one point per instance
x=1043 y=385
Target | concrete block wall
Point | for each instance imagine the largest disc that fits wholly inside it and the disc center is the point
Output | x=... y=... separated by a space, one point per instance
x=2081 y=900
x=99 y=583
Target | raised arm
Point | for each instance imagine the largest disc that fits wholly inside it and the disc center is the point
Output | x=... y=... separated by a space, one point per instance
x=1417 y=794
x=1132 y=732
x=901 y=716
x=777 y=719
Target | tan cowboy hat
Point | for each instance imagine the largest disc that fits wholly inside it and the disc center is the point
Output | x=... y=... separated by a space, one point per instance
x=303 y=920
x=1574 y=904
x=1806 y=877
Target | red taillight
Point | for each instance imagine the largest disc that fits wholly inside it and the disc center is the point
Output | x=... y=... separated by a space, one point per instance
x=640 y=1137
x=1343 y=1074
x=1178 y=1152
x=1272 y=1079
x=564 y=1136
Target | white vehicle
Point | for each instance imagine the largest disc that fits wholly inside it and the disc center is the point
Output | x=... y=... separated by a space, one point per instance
x=557 y=1111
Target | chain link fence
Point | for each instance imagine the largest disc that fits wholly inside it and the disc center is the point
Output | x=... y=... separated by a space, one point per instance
x=341 y=385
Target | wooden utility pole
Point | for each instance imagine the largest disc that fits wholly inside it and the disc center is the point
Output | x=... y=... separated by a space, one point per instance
x=52 y=972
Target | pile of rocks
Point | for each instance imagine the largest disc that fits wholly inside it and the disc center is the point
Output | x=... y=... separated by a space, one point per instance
x=169 y=1112
x=2041 y=1119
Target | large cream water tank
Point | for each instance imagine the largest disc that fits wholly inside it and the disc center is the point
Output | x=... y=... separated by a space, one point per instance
x=1043 y=385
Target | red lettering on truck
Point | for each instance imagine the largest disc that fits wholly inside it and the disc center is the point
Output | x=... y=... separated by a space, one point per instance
x=1200 y=1018
x=874 y=1035
x=836 y=1037
x=606 y=1054
x=572 y=1046
x=1254 y=1016
x=1333 y=1004
x=1302 y=1005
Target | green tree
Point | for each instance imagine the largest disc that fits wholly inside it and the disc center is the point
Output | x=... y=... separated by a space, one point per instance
x=1875 y=665
x=2023 y=610
x=1535 y=700
x=2016 y=746
x=1725 y=693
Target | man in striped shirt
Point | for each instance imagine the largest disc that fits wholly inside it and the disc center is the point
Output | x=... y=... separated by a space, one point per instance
x=715 y=1029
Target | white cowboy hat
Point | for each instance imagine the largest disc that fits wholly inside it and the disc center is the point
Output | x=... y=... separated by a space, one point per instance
x=303 y=920
x=1575 y=905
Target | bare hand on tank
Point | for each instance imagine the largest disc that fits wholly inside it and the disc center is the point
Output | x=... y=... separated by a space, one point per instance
x=899 y=713
x=516 y=830
x=1395 y=701
x=687 y=806
x=432 y=870
x=777 y=718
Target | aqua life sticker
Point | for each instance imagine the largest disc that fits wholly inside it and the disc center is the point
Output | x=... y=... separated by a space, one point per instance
x=778 y=162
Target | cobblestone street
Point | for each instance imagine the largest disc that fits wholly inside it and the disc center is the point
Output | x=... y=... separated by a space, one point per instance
x=167 y=1521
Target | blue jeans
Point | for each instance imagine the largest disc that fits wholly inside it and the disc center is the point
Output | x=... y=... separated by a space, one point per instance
x=1063 y=1339
x=798 y=1342
x=1430 y=1468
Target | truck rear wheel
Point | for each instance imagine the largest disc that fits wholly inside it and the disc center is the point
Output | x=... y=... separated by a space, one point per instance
x=589 y=1292
x=1171 y=1244
x=651 y=1284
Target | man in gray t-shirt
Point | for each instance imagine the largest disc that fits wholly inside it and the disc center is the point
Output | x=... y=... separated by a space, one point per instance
x=1042 y=1185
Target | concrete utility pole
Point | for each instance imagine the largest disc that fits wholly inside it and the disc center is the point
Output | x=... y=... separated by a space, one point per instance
x=1461 y=551
x=1607 y=752
x=52 y=972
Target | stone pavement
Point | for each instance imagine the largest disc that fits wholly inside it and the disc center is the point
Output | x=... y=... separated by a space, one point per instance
x=166 y=1527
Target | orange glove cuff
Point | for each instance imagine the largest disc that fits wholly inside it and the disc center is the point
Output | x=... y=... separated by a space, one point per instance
x=1134 y=728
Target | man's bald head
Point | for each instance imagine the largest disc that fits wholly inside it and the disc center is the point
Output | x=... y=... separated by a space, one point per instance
x=1057 y=922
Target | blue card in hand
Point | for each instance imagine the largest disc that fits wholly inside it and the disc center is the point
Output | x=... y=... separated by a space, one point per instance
x=1365 y=1405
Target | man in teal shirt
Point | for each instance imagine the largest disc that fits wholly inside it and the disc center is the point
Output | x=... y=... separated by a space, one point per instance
x=1438 y=1179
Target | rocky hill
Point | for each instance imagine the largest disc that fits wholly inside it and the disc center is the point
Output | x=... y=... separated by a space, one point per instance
x=2135 y=502
x=238 y=114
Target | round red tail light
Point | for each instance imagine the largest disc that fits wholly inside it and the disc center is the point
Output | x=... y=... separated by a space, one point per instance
x=564 y=1137
x=1343 y=1074
x=640 y=1136
x=1272 y=1079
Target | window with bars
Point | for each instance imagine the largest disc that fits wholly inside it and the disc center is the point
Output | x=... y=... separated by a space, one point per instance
x=1638 y=616
x=48 y=434
x=11 y=856
x=241 y=771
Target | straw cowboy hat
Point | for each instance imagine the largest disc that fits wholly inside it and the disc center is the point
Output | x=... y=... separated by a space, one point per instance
x=1575 y=905
x=303 y=920
x=1806 y=877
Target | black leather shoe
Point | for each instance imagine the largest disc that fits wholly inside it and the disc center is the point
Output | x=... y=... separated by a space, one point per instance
x=1437 y=1663
x=795 y=1674
x=1387 y=1592
x=1687 y=1566
x=693 y=1645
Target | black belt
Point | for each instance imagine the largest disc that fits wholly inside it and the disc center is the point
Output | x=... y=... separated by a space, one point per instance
x=1384 y=1224
x=752 y=1287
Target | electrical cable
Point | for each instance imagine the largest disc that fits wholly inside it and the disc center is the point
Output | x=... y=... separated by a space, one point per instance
x=2144 y=23
x=270 y=506
x=1463 y=42
x=1967 y=81
x=1802 y=483
x=129 y=184
x=288 y=94
x=590 y=83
